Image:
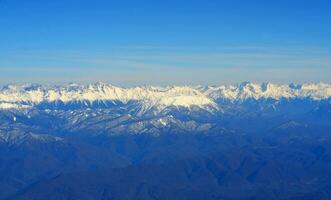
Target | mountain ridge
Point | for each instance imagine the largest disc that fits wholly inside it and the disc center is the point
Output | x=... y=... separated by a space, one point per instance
x=29 y=95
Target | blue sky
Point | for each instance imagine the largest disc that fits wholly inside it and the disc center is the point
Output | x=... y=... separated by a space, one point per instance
x=165 y=42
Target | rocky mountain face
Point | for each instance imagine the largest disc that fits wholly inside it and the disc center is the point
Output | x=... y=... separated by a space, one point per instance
x=220 y=139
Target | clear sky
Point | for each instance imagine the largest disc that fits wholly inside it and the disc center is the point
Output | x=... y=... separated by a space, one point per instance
x=165 y=41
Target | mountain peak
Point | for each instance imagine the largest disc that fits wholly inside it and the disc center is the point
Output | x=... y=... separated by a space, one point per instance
x=179 y=96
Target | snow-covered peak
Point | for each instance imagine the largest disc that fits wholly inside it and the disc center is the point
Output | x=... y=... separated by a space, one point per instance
x=249 y=90
x=152 y=96
x=15 y=96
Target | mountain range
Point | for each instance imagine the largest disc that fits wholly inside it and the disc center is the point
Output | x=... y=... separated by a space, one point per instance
x=24 y=96
x=98 y=141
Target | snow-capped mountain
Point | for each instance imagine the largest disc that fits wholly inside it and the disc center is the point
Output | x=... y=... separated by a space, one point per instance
x=105 y=109
x=25 y=96
x=249 y=90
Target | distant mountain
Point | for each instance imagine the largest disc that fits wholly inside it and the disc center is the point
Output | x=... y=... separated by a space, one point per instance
x=223 y=138
x=104 y=109
x=23 y=96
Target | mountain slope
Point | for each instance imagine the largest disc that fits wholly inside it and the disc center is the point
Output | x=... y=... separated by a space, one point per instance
x=240 y=173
